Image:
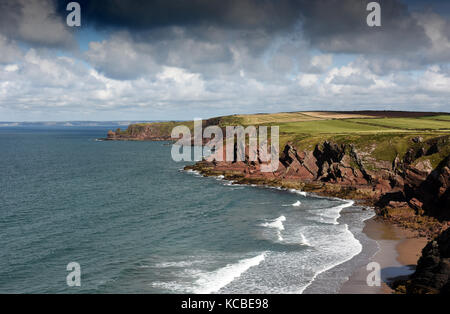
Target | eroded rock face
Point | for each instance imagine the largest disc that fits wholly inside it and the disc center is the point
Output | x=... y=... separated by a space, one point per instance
x=147 y=132
x=403 y=188
x=408 y=181
x=434 y=192
x=433 y=269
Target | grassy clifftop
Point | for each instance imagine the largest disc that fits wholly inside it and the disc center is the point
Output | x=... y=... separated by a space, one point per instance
x=384 y=134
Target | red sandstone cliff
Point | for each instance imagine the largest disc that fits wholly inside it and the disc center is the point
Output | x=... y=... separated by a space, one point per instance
x=407 y=191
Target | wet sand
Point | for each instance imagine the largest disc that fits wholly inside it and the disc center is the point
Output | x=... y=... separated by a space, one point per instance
x=398 y=253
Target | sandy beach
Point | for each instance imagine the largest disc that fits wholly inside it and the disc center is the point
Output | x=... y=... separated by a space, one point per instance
x=398 y=252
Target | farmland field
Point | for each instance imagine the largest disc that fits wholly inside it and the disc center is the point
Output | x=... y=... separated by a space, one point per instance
x=407 y=123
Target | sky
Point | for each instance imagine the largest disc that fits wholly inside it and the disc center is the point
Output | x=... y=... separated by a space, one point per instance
x=180 y=59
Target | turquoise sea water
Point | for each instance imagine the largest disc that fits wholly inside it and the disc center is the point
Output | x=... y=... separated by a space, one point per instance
x=137 y=224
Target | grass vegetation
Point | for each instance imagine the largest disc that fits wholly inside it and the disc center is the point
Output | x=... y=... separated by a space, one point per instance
x=427 y=123
x=384 y=137
x=438 y=117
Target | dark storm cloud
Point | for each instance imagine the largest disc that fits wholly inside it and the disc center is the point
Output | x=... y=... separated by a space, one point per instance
x=340 y=26
x=143 y=14
x=330 y=25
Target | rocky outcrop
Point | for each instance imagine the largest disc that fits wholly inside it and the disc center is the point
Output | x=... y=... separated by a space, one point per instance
x=403 y=190
x=433 y=194
x=144 y=132
x=432 y=274
x=407 y=189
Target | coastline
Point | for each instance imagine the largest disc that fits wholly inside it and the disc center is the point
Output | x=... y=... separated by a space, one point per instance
x=398 y=252
x=395 y=248
x=402 y=178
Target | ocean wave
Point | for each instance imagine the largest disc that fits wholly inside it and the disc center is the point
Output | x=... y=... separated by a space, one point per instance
x=304 y=241
x=193 y=172
x=211 y=281
x=235 y=185
x=296 y=204
x=175 y=264
x=332 y=214
x=276 y=224
x=293 y=271
x=344 y=249
x=214 y=281
x=316 y=251
x=299 y=192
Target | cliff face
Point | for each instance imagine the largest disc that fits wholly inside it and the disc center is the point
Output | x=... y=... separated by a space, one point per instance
x=157 y=131
x=407 y=185
x=405 y=176
x=403 y=190
x=141 y=132
x=433 y=269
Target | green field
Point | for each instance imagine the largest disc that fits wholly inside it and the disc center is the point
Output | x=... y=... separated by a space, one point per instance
x=335 y=122
x=439 y=117
x=331 y=127
x=275 y=117
x=408 y=123
x=389 y=137
x=386 y=135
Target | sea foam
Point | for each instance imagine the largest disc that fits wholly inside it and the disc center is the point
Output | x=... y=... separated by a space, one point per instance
x=296 y=204
x=302 y=193
x=276 y=224
x=332 y=214
x=215 y=280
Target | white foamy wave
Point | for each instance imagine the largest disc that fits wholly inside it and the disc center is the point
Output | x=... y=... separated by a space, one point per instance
x=279 y=188
x=175 y=264
x=343 y=249
x=235 y=185
x=328 y=247
x=304 y=241
x=214 y=281
x=331 y=215
x=302 y=193
x=277 y=223
x=194 y=172
x=296 y=204
x=221 y=177
x=202 y=282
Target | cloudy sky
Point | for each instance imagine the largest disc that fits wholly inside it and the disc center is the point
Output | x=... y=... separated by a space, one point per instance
x=180 y=59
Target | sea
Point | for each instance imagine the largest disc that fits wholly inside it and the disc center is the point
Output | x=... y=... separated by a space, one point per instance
x=136 y=222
